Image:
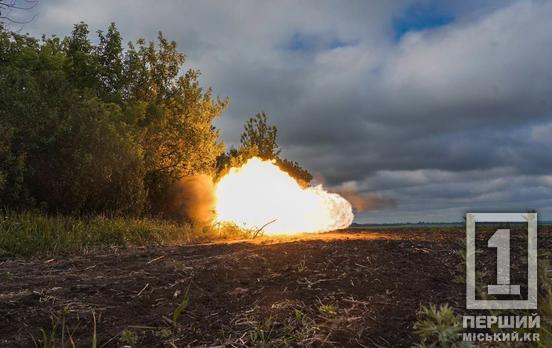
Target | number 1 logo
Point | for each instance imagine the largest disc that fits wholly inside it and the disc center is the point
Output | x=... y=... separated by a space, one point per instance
x=501 y=241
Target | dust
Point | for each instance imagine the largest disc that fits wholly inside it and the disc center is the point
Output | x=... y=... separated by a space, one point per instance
x=192 y=198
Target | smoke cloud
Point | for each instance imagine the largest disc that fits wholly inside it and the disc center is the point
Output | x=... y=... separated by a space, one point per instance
x=192 y=198
x=370 y=201
x=359 y=201
x=365 y=201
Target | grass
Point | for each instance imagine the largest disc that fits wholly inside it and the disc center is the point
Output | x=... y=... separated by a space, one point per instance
x=327 y=310
x=53 y=338
x=439 y=327
x=182 y=306
x=31 y=233
x=129 y=338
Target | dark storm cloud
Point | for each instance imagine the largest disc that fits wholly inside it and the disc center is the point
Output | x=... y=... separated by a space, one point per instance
x=441 y=107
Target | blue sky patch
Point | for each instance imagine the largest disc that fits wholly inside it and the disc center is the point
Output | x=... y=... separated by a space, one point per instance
x=420 y=17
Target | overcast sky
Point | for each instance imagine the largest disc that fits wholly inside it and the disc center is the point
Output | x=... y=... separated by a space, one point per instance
x=430 y=108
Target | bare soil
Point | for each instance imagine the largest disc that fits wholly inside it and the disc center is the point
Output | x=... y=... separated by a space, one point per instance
x=352 y=288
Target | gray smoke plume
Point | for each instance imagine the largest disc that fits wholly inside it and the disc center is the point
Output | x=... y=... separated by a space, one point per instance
x=364 y=201
x=368 y=201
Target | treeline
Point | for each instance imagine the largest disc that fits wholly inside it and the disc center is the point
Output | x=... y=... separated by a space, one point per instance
x=91 y=128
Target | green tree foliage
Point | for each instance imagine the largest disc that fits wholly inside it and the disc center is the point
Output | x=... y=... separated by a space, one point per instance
x=260 y=139
x=98 y=166
x=12 y=169
x=174 y=115
x=111 y=69
x=293 y=168
x=89 y=128
x=261 y=136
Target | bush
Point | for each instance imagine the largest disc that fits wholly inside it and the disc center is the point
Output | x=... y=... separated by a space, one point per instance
x=439 y=327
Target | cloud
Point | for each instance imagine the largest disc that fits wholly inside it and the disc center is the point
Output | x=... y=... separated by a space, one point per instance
x=542 y=133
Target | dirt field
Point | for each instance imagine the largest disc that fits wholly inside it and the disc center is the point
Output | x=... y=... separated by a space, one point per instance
x=345 y=289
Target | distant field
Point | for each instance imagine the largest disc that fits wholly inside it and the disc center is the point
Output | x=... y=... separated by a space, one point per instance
x=406 y=225
x=452 y=225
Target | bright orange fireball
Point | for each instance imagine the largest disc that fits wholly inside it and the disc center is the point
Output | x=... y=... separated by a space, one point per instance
x=259 y=192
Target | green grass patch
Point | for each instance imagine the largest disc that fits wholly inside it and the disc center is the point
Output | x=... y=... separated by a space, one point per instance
x=31 y=233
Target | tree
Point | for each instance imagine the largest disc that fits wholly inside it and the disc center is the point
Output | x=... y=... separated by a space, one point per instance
x=19 y=104
x=110 y=59
x=176 y=116
x=81 y=65
x=293 y=168
x=260 y=139
x=260 y=135
x=93 y=164
x=12 y=171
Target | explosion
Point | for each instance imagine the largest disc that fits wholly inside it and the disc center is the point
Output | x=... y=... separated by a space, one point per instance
x=260 y=195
